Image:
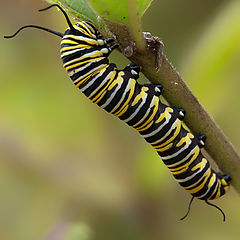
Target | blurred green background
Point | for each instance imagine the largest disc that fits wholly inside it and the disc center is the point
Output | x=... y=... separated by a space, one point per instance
x=70 y=171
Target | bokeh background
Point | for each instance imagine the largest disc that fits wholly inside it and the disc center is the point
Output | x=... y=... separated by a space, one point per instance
x=70 y=171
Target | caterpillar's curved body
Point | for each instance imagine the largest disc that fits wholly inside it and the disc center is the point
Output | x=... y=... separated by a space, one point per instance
x=84 y=55
x=85 y=58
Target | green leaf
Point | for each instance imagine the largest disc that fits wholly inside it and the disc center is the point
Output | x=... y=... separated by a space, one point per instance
x=127 y=12
x=143 y=5
x=117 y=10
x=81 y=9
x=113 y=10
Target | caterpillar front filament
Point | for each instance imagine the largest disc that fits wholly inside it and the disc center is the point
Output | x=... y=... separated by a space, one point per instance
x=85 y=58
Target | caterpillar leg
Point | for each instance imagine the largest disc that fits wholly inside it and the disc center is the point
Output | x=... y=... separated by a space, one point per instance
x=108 y=40
x=201 y=139
x=227 y=178
x=156 y=89
x=133 y=69
x=106 y=50
x=181 y=113
x=112 y=47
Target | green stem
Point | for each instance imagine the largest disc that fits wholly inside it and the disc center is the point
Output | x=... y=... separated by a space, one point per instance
x=135 y=24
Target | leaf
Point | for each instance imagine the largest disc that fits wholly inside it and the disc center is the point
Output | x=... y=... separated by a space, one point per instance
x=81 y=9
x=117 y=10
x=113 y=10
x=143 y=5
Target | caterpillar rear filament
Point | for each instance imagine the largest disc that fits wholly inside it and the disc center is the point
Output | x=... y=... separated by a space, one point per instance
x=85 y=58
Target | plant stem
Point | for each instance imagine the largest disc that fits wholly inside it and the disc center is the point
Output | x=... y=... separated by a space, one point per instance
x=177 y=93
x=135 y=24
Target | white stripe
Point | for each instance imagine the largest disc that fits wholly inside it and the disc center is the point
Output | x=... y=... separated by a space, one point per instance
x=81 y=38
x=86 y=74
x=158 y=129
x=112 y=95
x=183 y=160
x=78 y=60
x=69 y=52
x=79 y=68
x=192 y=176
x=92 y=80
x=167 y=134
x=74 y=71
x=149 y=109
x=176 y=153
x=102 y=83
x=203 y=195
x=123 y=96
x=136 y=111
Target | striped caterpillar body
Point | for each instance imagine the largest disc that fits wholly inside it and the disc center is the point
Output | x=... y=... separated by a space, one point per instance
x=85 y=58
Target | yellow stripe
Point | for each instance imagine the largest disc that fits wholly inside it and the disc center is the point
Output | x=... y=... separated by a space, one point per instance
x=215 y=190
x=140 y=96
x=84 y=29
x=199 y=180
x=185 y=139
x=166 y=114
x=207 y=173
x=90 y=41
x=212 y=180
x=82 y=63
x=177 y=129
x=219 y=191
x=110 y=81
x=165 y=148
x=95 y=54
x=90 y=28
x=163 y=115
x=155 y=104
x=123 y=109
x=68 y=41
x=200 y=187
x=86 y=26
x=84 y=79
x=148 y=126
x=183 y=168
x=118 y=80
x=101 y=92
x=69 y=48
x=79 y=59
x=95 y=99
x=200 y=165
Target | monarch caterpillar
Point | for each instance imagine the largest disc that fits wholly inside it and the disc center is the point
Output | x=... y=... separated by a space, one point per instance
x=85 y=58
